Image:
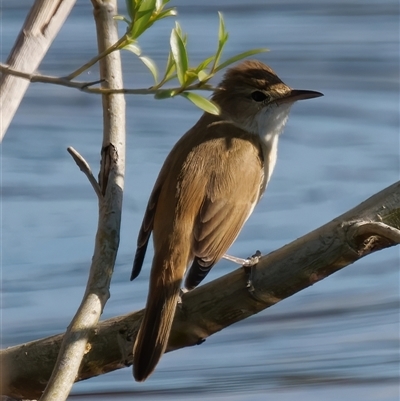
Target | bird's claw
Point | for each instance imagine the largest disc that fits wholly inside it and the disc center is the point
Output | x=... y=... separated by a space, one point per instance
x=250 y=267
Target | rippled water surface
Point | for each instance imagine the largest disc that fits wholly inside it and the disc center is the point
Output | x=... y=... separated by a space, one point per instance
x=335 y=340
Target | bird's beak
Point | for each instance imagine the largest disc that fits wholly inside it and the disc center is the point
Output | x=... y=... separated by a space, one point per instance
x=298 y=94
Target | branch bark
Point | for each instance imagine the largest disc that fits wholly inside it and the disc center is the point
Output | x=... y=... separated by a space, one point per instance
x=371 y=226
x=41 y=26
x=111 y=182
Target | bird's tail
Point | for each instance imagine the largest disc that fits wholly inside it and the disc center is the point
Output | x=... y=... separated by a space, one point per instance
x=154 y=331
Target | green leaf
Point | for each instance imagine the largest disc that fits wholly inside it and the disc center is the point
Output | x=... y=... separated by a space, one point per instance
x=204 y=64
x=122 y=18
x=130 y=7
x=239 y=57
x=134 y=48
x=203 y=76
x=222 y=34
x=202 y=102
x=149 y=63
x=190 y=76
x=171 y=12
x=178 y=29
x=179 y=54
x=169 y=71
x=222 y=39
x=160 y=4
x=142 y=17
x=165 y=93
x=170 y=68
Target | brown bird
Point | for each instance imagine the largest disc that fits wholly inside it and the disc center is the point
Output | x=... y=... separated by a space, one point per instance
x=206 y=190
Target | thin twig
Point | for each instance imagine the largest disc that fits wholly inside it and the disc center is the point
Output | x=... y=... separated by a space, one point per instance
x=87 y=86
x=85 y=168
x=116 y=46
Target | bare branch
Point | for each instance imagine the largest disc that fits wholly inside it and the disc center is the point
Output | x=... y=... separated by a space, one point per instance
x=85 y=168
x=48 y=79
x=87 y=86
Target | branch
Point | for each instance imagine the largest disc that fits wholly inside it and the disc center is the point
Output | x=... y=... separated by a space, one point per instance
x=74 y=345
x=85 y=168
x=87 y=86
x=41 y=26
x=224 y=301
x=116 y=46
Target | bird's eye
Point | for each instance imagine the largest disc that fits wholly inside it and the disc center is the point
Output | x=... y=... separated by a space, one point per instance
x=258 y=96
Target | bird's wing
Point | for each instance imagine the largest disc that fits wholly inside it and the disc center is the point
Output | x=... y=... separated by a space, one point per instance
x=231 y=194
x=145 y=231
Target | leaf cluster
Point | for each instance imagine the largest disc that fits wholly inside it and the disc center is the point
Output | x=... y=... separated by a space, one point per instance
x=142 y=15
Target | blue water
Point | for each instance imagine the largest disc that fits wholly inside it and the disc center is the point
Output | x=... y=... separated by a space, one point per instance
x=336 y=340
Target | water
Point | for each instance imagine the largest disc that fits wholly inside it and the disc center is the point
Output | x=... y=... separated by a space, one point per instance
x=335 y=340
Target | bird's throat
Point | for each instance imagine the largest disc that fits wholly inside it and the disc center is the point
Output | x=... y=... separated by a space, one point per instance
x=269 y=124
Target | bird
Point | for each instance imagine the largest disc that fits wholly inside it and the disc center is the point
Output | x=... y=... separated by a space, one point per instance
x=207 y=188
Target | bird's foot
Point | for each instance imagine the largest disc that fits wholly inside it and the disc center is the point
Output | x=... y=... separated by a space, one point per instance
x=249 y=266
